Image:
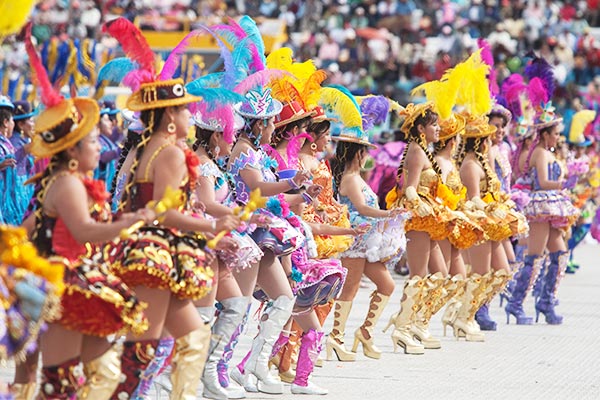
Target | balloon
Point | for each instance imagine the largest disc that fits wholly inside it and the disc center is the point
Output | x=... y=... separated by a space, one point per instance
x=513 y=64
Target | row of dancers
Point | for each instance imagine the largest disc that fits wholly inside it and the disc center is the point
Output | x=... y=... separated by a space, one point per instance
x=245 y=206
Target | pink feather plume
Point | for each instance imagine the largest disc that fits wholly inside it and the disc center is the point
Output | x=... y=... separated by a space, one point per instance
x=132 y=41
x=49 y=95
x=173 y=60
x=488 y=58
x=260 y=78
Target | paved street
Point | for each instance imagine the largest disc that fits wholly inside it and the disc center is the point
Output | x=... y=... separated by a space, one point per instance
x=516 y=362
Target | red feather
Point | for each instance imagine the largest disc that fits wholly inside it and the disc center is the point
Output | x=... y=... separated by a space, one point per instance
x=133 y=42
x=50 y=96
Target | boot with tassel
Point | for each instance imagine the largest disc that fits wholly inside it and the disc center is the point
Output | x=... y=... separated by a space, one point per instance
x=464 y=324
x=456 y=290
x=547 y=301
x=61 y=381
x=335 y=340
x=433 y=294
x=524 y=280
x=496 y=283
x=364 y=334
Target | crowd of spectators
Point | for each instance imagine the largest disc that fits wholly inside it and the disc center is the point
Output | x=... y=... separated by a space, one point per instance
x=383 y=46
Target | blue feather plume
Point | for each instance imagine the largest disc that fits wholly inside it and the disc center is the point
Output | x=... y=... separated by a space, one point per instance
x=115 y=70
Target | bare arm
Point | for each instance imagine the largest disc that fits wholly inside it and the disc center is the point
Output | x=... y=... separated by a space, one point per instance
x=68 y=199
x=353 y=190
x=413 y=165
x=206 y=194
x=541 y=161
x=470 y=175
x=323 y=229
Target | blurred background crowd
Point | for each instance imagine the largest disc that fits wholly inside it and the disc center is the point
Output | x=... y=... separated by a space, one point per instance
x=377 y=46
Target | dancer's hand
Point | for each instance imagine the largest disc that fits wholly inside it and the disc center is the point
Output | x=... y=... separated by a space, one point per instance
x=361 y=229
x=314 y=190
x=227 y=244
x=227 y=223
x=260 y=220
x=498 y=213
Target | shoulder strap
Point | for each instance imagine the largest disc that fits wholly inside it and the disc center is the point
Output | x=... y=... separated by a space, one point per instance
x=152 y=158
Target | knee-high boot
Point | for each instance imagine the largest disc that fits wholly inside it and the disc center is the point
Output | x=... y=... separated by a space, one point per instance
x=432 y=295
x=364 y=334
x=102 y=375
x=309 y=351
x=135 y=358
x=23 y=391
x=496 y=283
x=547 y=301
x=464 y=324
x=412 y=299
x=223 y=364
x=272 y=321
x=155 y=367
x=523 y=280
x=335 y=340
x=61 y=381
x=188 y=362
x=228 y=320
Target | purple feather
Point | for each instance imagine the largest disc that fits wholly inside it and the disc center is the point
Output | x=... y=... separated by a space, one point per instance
x=172 y=62
x=374 y=111
x=520 y=197
x=539 y=68
x=230 y=77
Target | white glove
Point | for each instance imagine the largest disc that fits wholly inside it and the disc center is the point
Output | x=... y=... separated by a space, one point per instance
x=411 y=194
x=421 y=208
x=478 y=204
x=499 y=213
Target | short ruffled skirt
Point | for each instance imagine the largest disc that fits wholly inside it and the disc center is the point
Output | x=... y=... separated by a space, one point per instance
x=438 y=225
x=246 y=254
x=280 y=237
x=495 y=229
x=384 y=242
x=159 y=258
x=29 y=302
x=95 y=302
x=551 y=206
x=466 y=232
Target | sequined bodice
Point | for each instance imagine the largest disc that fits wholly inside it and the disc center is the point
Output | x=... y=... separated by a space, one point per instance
x=211 y=171
x=453 y=181
x=554 y=173
x=256 y=159
x=370 y=200
x=428 y=182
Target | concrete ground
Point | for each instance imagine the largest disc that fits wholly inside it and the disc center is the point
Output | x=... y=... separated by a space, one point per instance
x=516 y=362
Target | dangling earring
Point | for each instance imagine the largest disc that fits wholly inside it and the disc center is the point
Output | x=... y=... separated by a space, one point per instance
x=171 y=128
x=73 y=165
x=313 y=148
x=217 y=151
x=423 y=139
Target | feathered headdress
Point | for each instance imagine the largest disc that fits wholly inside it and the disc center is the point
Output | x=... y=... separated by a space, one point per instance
x=541 y=89
x=374 y=110
x=151 y=90
x=578 y=124
x=64 y=122
x=340 y=104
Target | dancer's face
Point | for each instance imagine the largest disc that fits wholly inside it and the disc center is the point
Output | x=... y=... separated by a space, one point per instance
x=498 y=122
x=224 y=147
x=552 y=137
x=432 y=132
x=323 y=141
x=180 y=116
x=87 y=152
x=267 y=128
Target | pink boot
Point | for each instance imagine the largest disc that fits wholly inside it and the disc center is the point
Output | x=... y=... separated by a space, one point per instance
x=307 y=356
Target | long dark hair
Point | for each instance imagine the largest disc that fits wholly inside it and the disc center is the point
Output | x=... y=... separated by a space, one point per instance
x=345 y=152
x=476 y=145
x=427 y=118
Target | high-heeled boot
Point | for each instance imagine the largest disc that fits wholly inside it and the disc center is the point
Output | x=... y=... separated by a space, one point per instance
x=524 y=280
x=538 y=282
x=432 y=295
x=61 y=381
x=412 y=299
x=546 y=302
x=497 y=281
x=23 y=391
x=335 y=340
x=188 y=361
x=307 y=356
x=160 y=361
x=228 y=320
x=223 y=364
x=283 y=352
x=135 y=358
x=453 y=303
x=364 y=334
x=515 y=267
x=272 y=321
x=464 y=324
x=102 y=375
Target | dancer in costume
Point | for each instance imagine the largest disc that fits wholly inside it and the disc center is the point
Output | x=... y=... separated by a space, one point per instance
x=9 y=192
x=30 y=289
x=550 y=214
x=214 y=140
x=110 y=149
x=69 y=223
x=24 y=128
x=372 y=251
x=250 y=168
x=164 y=260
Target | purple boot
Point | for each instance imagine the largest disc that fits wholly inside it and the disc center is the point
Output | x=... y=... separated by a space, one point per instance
x=482 y=317
x=524 y=280
x=223 y=364
x=163 y=351
x=546 y=302
x=310 y=348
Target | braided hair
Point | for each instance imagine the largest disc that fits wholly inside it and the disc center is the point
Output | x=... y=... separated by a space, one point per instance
x=150 y=119
x=131 y=140
x=475 y=145
x=413 y=135
x=345 y=152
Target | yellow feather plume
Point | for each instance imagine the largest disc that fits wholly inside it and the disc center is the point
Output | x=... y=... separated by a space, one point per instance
x=52 y=54
x=473 y=90
x=280 y=59
x=442 y=94
x=14 y=15
x=578 y=124
x=342 y=106
x=311 y=92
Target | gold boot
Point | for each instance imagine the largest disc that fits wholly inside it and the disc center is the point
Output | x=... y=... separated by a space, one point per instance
x=453 y=290
x=335 y=340
x=431 y=297
x=475 y=293
x=102 y=375
x=364 y=334
x=411 y=301
x=188 y=361
x=23 y=391
x=497 y=283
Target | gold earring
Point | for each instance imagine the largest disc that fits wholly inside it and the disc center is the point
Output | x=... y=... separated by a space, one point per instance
x=171 y=128
x=73 y=165
x=313 y=147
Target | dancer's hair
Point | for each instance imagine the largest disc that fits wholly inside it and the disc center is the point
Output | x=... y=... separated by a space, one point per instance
x=281 y=133
x=345 y=153
x=476 y=145
x=429 y=117
x=131 y=140
x=318 y=128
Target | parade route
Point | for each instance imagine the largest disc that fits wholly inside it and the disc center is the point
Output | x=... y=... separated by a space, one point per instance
x=516 y=362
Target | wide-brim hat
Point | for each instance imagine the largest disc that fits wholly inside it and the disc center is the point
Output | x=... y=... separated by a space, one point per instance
x=259 y=104
x=411 y=112
x=62 y=126
x=505 y=112
x=160 y=94
x=6 y=103
x=292 y=111
x=320 y=116
x=23 y=111
x=478 y=127
x=547 y=117
x=451 y=127
x=354 y=135
x=215 y=125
